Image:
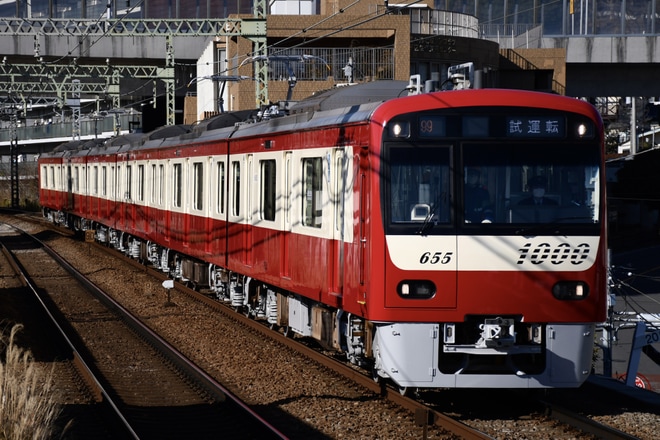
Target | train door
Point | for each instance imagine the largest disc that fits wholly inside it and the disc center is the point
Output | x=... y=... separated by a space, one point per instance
x=286 y=211
x=69 y=187
x=207 y=192
x=187 y=212
x=249 y=211
x=339 y=194
x=363 y=238
x=129 y=197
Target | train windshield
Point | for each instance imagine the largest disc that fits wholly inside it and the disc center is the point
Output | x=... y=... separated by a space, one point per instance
x=527 y=183
x=495 y=185
x=419 y=189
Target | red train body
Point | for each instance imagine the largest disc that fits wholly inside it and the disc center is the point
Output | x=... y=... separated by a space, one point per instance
x=352 y=223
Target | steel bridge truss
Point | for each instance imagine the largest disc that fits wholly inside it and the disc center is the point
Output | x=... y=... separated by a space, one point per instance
x=29 y=83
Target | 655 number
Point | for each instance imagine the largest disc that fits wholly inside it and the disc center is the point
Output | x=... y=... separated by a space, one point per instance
x=435 y=257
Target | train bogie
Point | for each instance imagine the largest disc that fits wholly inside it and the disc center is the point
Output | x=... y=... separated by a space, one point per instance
x=357 y=227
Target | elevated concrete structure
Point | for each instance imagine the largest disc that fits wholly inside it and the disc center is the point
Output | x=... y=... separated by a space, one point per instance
x=610 y=65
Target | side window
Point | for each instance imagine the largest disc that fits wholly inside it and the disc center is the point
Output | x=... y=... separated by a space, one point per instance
x=95 y=180
x=140 y=183
x=76 y=179
x=236 y=204
x=104 y=181
x=198 y=186
x=154 y=184
x=52 y=177
x=220 y=202
x=129 y=181
x=176 y=180
x=312 y=200
x=268 y=190
x=118 y=183
x=44 y=177
x=161 y=183
x=113 y=179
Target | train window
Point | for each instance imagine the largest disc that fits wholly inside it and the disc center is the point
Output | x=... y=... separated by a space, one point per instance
x=288 y=188
x=161 y=184
x=268 y=190
x=119 y=181
x=340 y=182
x=220 y=201
x=112 y=180
x=104 y=182
x=73 y=177
x=76 y=179
x=312 y=192
x=52 y=177
x=521 y=183
x=128 y=195
x=198 y=186
x=418 y=186
x=44 y=177
x=154 y=184
x=95 y=180
x=177 y=180
x=140 y=183
x=236 y=205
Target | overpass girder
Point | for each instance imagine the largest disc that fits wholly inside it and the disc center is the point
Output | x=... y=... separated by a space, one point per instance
x=247 y=27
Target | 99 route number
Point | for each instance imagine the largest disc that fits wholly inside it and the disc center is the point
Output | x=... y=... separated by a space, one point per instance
x=435 y=258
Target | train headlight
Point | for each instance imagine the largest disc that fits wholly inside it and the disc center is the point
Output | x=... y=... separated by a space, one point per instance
x=585 y=130
x=416 y=289
x=399 y=129
x=570 y=290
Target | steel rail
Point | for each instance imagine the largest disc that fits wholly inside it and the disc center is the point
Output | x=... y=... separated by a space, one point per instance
x=585 y=424
x=424 y=415
x=101 y=395
x=171 y=354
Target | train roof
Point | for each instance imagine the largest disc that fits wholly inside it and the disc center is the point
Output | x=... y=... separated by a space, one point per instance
x=338 y=105
x=350 y=96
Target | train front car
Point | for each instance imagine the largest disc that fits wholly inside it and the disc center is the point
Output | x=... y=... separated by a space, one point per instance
x=492 y=272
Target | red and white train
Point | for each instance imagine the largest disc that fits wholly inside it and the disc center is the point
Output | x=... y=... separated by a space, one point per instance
x=408 y=232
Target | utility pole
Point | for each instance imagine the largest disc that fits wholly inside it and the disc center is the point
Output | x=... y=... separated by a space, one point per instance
x=13 y=154
x=74 y=103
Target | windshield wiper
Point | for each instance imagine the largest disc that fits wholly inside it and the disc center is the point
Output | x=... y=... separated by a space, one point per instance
x=428 y=224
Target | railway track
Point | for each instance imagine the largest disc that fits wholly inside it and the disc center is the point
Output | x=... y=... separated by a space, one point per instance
x=426 y=415
x=151 y=389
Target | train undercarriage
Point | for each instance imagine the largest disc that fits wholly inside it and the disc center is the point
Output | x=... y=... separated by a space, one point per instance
x=482 y=351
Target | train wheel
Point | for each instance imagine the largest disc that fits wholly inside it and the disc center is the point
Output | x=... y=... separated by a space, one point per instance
x=247 y=311
x=374 y=374
x=406 y=391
